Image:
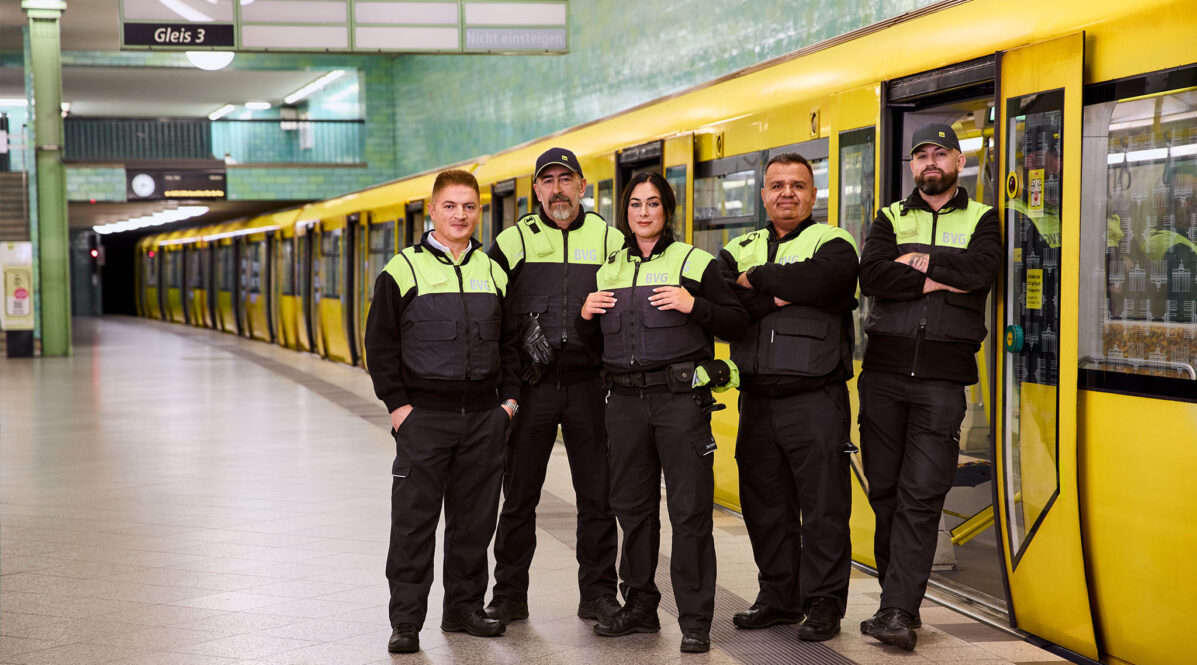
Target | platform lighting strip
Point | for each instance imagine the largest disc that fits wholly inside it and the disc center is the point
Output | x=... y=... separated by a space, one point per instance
x=242 y=232
x=157 y=219
x=221 y=112
x=314 y=86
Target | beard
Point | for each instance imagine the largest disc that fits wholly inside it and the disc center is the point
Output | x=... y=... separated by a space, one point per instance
x=560 y=213
x=935 y=186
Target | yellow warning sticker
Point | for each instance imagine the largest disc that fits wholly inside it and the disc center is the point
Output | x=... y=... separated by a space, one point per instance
x=1035 y=193
x=1018 y=255
x=1035 y=288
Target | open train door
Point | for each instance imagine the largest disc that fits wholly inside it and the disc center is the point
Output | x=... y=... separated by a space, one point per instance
x=1040 y=126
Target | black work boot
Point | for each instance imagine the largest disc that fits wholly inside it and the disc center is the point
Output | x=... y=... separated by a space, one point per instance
x=822 y=621
x=635 y=617
x=475 y=623
x=763 y=616
x=600 y=608
x=405 y=638
x=892 y=626
x=696 y=641
x=507 y=609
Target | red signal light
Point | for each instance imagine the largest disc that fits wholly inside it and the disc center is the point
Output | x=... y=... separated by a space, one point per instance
x=95 y=253
x=151 y=253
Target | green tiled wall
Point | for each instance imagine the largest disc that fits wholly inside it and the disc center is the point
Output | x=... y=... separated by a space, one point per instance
x=85 y=183
x=621 y=55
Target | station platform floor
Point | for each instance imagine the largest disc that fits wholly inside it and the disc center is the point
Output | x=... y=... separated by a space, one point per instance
x=177 y=496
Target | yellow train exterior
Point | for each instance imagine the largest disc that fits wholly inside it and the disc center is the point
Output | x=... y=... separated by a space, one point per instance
x=1079 y=125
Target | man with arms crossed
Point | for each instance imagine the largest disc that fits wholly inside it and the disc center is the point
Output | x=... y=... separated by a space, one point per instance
x=927 y=264
x=797 y=278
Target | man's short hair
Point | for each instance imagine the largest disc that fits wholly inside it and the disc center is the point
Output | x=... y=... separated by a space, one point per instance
x=789 y=158
x=455 y=177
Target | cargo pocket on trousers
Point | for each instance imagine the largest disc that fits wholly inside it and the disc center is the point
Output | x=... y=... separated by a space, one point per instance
x=401 y=468
x=704 y=445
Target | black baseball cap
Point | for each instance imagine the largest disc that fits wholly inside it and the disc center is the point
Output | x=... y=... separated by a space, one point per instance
x=559 y=156
x=937 y=134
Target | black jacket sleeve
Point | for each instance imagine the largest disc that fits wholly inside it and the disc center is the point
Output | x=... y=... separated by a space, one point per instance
x=509 y=359
x=826 y=280
x=757 y=303
x=590 y=333
x=384 y=347
x=978 y=265
x=716 y=308
x=880 y=275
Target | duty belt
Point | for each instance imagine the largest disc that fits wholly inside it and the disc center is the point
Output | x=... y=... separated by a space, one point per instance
x=641 y=379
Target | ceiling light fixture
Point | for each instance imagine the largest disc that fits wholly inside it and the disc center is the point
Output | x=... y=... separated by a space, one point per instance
x=314 y=86
x=222 y=112
x=257 y=106
x=13 y=102
x=210 y=60
x=156 y=219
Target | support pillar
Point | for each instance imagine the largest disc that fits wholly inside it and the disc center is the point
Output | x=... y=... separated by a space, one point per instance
x=52 y=242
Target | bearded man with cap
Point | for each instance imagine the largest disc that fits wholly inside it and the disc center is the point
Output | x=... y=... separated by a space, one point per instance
x=551 y=258
x=927 y=265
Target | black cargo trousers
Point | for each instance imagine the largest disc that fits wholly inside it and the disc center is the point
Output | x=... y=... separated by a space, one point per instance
x=910 y=445
x=648 y=433
x=796 y=494
x=455 y=458
x=578 y=408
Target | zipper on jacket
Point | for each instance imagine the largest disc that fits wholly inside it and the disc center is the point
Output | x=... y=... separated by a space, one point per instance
x=632 y=311
x=918 y=339
x=564 y=286
x=466 y=318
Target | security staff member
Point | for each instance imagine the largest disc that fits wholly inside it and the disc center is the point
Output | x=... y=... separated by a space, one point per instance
x=658 y=303
x=550 y=259
x=432 y=341
x=797 y=278
x=927 y=264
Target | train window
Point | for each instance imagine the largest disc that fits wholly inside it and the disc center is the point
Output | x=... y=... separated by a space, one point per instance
x=676 y=176
x=857 y=183
x=254 y=274
x=174 y=269
x=1138 y=304
x=726 y=192
x=224 y=257
x=382 y=248
x=521 y=207
x=606 y=200
x=588 y=197
x=195 y=276
x=151 y=268
x=330 y=264
x=286 y=269
x=973 y=121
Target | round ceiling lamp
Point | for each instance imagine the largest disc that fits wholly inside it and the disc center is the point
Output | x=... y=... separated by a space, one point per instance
x=210 y=60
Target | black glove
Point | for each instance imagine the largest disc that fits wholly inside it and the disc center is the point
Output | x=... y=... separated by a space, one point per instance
x=535 y=349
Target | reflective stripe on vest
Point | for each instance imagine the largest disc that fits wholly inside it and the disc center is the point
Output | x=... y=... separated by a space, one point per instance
x=795 y=340
x=450 y=329
x=943 y=316
x=557 y=273
x=636 y=334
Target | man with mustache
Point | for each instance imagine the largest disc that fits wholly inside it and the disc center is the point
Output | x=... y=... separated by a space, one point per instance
x=551 y=258
x=927 y=264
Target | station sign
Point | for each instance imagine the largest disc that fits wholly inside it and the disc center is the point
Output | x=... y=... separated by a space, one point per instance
x=354 y=26
x=160 y=184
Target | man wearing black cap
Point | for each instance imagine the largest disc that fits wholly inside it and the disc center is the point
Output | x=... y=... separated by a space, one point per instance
x=551 y=258
x=927 y=265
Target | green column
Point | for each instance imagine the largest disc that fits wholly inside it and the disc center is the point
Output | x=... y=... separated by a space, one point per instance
x=51 y=244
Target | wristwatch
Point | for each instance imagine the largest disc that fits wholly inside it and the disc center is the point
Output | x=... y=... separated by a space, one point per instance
x=513 y=405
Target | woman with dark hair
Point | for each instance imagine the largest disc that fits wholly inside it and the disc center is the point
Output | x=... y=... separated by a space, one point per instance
x=658 y=304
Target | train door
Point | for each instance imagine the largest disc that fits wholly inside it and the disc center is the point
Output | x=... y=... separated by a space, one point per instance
x=503 y=211
x=187 y=294
x=363 y=280
x=158 y=259
x=413 y=225
x=1040 y=118
x=380 y=250
x=962 y=96
x=679 y=166
x=241 y=289
x=348 y=242
x=211 y=281
x=634 y=159
x=267 y=286
x=307 y=290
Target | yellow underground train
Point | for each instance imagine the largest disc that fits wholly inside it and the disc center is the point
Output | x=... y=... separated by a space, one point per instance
x=1073 y=516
